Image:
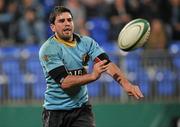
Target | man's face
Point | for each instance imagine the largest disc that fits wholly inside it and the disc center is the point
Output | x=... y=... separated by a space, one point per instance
x=63 y=26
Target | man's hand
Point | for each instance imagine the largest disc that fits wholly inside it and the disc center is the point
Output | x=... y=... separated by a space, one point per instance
x=99 y=68
x=133 y=90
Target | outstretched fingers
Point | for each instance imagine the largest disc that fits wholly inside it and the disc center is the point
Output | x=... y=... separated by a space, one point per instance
x=136 y=92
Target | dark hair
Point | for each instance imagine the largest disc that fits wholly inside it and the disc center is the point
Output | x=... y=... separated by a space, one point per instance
x=56 y=11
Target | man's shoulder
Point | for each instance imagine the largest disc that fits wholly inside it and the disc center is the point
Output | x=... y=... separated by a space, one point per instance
x=50 y=42
x=82 y=37
x=85 y=37
x=48 y=45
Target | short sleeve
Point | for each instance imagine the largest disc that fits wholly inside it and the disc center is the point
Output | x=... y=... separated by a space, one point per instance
x=94 y=49
x=50 y=57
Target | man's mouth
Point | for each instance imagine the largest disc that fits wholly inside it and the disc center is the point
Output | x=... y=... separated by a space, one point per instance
x=67 y=30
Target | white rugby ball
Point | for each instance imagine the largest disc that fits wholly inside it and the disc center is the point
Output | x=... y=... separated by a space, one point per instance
x=134 y=34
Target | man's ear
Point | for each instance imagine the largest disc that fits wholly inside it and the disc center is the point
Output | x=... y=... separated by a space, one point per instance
x=52 y=26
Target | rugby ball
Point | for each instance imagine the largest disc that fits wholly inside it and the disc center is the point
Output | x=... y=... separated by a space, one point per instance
x=134 y=34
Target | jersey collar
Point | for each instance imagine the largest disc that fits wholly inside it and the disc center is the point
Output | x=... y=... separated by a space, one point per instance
x=76 y=38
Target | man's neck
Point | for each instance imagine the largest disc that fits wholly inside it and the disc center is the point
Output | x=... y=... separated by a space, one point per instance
x=67 y=40
x=68 y=43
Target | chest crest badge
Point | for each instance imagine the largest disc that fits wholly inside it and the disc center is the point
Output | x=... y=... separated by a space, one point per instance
x=85 y=59
x=45 y=58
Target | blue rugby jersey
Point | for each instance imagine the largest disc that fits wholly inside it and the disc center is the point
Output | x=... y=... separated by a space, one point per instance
x=54 y=53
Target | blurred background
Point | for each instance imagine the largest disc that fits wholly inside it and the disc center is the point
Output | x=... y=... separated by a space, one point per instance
x=155 y=67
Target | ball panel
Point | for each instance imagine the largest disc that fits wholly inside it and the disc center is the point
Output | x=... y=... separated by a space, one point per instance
x=134 y=34
x=135 y=31
x=143 y=39
x=146 y=27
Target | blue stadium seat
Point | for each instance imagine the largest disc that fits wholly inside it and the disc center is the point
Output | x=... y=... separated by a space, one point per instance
x=3 y=85
x=16 y=87
x=133 y=61
x=32 y=62
x=113 y=89
x=177 y=78
x=1 y=90
x=35 y=84
x=140 y=77
x=39 y=87
x=174 y=50
x=110 y=47
x=8 y=52
x=32 y=50
x=33 y=66
x=165 y=80
x=98 y=28
x=174 y=47
x=176 y=61
x=143 y=81
x=94 y=89
x=11 y=66
x=10 y=63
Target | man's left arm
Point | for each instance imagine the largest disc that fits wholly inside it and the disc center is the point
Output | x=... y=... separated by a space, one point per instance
x=115 y=72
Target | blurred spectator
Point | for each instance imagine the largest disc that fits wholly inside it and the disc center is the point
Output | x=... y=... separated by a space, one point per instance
x=118 y=16
x=40 y=12
x=95 y=8
x=13 y=11
x=134 y=7
x=149 y=9
x=165 y=15
x=5 y=20
x=79 y=15
x=164 y=11
x=158 y=37
x=160 y=9
x=118 y=12
x=48 y=5
x=31 y=28
x=175 y=20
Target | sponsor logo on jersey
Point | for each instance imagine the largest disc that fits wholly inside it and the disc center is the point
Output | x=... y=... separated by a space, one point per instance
x=77 y=72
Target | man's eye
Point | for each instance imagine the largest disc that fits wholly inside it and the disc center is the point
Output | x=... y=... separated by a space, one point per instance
x=61 y=20
x=69 y=20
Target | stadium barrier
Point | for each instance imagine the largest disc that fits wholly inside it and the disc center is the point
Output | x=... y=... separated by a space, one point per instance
x=106 y=115
x=156 y=72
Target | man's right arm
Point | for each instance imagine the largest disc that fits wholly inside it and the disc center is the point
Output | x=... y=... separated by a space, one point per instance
x=68 y=81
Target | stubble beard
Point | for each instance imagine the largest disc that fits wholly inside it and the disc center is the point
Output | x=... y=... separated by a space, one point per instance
x=66 y=37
